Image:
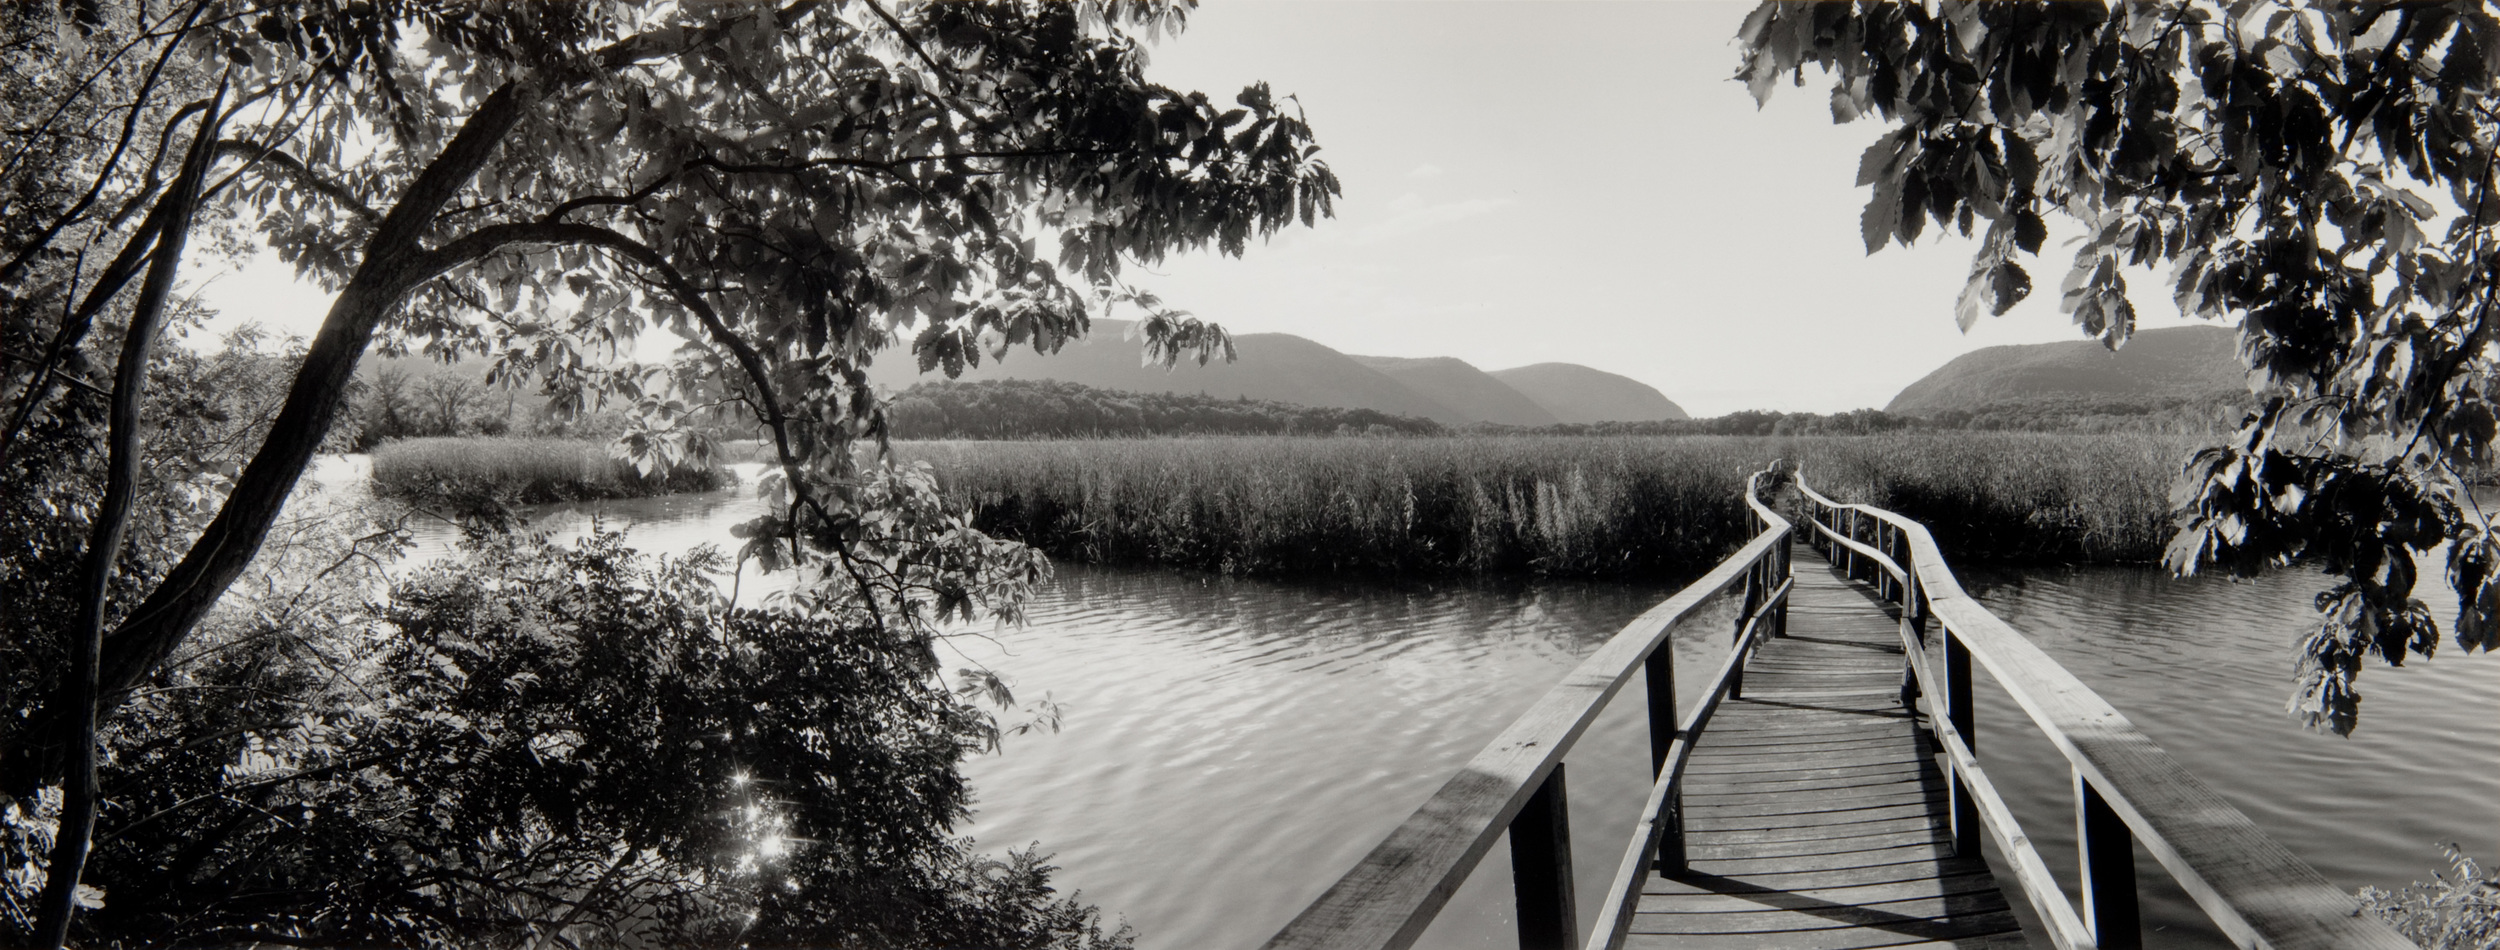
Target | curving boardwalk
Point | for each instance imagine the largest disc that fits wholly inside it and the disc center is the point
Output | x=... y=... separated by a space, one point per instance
x=1808 y=799
x=1814 y=815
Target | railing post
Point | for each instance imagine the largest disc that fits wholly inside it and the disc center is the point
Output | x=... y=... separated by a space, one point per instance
x=1755 y=591
x=2107 y=851
x=1662 y=735
x=1849 y=555
x=1957 y=712
x=1784 y=570
x=1912 y=637
x=1540 y=868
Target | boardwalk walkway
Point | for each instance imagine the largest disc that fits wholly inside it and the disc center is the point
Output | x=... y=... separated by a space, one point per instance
x=1814 y=815
x=1799 y=805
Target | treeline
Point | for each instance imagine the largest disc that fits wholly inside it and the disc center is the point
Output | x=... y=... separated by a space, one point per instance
x=1054 y=409
x=2171 y=415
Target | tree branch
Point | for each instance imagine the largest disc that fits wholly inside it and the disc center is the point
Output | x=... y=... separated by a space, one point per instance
x=255 y=152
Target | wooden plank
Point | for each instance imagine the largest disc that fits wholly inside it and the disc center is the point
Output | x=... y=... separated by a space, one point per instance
x=1821 y=803
x=1981 y=916
x=1664 y=895
x=1758 y=864
x=1718 y=820
x=1907 y=932
x=2003 y=941
x=1815 y=801
x=1832 y=844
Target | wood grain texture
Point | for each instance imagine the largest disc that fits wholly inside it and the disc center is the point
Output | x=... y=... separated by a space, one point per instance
x=1814 y=813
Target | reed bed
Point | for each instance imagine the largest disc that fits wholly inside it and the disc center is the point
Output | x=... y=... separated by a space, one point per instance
x=2011 y=497
x=1554 y=505
x=1546 y=503
x=522 y=471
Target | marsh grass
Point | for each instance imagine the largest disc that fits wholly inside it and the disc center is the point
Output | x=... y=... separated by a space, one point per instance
x=1555 y=505
x=522 y=471
x=2011 y=497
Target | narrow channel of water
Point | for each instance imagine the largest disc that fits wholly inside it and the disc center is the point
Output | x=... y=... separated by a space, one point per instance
x=1230 y=746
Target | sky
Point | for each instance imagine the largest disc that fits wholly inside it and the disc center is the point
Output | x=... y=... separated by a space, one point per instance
x=1529 y=182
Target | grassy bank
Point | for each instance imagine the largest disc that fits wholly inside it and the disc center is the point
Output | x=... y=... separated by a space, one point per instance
x=1558 y=505
x=522 y=471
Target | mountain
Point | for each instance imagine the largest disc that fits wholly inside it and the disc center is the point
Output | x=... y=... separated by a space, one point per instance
x=1465 y=389
x=1279 y=367
x=1575 y=393
x=2155 y=367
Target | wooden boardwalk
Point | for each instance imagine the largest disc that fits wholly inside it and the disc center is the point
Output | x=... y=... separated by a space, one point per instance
x=1815 y=817
x=1798 y=805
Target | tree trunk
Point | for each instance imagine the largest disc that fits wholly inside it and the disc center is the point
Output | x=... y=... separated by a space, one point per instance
x=395 y=262
x=77 y=697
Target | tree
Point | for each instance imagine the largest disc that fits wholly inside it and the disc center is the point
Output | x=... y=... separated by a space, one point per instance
x=793 y=188
x=2290 y=162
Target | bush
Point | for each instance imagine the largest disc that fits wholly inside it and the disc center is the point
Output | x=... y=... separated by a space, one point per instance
x=536 y=744
x=2459 y=910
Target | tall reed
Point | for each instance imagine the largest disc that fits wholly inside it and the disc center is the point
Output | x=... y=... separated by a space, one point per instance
x=2019 y=497
x=1558 y=505
x=522 y=471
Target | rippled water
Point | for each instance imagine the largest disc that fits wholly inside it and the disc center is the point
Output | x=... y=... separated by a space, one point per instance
x=1231 y=746
x=2203 y=667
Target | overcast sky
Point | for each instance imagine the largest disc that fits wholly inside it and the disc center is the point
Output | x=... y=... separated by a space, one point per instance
x=1553 y=181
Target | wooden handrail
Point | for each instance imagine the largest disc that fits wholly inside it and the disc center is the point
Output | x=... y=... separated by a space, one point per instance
x=1658 y=819
x=1390 y=896
x=2258 y=893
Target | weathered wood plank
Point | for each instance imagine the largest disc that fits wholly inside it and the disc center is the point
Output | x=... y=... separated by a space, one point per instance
x=1813 y=806
x=1981 y=918
x=1662 y=895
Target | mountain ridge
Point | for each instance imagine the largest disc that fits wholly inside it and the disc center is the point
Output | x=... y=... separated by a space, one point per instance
x=1579 y=394
x=1282 y=367
x=2168 y=365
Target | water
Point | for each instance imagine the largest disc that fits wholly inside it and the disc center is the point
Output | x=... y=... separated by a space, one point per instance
x=1231 y=746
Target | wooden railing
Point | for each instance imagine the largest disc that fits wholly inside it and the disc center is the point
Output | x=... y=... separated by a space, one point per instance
x=1516 y=782
x=2126 y=788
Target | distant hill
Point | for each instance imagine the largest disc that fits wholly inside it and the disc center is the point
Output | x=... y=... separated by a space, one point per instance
x=1470 y=391
x=1278 y=367
x=2172 y=366
x=1056 y=409
x=1577 y=394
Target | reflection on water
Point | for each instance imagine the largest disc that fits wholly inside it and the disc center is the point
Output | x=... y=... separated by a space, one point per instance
x=1232 y=746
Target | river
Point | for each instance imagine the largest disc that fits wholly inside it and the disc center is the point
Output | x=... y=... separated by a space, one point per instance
x=1230 y=746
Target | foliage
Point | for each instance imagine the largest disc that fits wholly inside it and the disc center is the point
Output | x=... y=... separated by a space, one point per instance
x=1625 y=505
x=1055 y=409
x=2289 y=161
x=792 y=189
x=534 y=741
x=2459 y=910
x=210 y=409
x=466 y=475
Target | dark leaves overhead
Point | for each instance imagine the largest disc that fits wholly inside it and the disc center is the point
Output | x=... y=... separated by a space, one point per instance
x=2280 y=159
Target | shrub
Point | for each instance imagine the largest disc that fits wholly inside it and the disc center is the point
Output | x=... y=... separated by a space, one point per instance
x=534 y=744
x=2459 y=910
